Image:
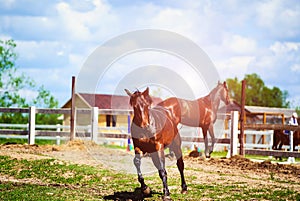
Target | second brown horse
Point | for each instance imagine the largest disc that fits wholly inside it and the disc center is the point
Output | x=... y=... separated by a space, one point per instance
x=201 y=112
x=280 y=139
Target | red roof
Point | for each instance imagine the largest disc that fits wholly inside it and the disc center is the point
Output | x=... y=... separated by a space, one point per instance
x=105 y=101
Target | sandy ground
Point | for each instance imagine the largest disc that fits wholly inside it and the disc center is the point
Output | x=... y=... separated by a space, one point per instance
x=235 y=170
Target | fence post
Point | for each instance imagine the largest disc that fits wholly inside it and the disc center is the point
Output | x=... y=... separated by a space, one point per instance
x=94 y=124
x=234 y=133
x=291 y=159
x=242 y=120
x=73 y=111
x=58 y=128
x=128 y=122
x=58 y=140
x=31 y=125
x=271 y=139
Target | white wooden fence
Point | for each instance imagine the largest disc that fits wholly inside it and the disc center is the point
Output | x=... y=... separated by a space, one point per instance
x=31 y=131
x=234 y=144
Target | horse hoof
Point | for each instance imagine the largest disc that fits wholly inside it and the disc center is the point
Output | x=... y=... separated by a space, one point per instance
x=147 y=191
x=167 y=198
x=184 y=192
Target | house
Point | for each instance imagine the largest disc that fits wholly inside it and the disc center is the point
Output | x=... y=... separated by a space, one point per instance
x=262 y=115
x=115 y=111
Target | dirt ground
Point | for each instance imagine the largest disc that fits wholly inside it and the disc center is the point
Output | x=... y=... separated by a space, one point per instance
x=234 y=170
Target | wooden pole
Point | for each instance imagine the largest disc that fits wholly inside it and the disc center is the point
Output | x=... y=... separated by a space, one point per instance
x=242 y=135
x=283 y=119
x=72 y=120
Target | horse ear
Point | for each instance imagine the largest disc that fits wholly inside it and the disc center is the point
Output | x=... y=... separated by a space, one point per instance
x=146 y=92
x=225 y=85
x=128 y=92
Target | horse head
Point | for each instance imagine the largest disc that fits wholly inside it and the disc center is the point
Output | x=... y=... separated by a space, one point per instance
x=223 y=90
x=141 y=102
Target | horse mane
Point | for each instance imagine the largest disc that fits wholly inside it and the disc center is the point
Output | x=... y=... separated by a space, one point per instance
x=213 y=91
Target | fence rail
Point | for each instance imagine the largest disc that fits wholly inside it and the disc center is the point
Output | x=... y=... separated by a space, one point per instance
x=274 y=153
x=93 y=131
x=272 y=127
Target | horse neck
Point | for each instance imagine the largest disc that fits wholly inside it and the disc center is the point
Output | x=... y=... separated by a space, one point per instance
x=215 y=98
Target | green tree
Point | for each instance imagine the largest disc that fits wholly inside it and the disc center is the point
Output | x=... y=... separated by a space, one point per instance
x=13 y=83
x=257 y=94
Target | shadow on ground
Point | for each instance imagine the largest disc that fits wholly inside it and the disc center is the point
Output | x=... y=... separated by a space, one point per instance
x=137 y=195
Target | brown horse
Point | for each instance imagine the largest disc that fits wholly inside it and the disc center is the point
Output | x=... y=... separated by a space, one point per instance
x=199 y=113
x=280 y=138
x=152 y=130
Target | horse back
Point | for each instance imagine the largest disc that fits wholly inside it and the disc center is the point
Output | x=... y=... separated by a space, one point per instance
x=196 y=113
x=173 y=106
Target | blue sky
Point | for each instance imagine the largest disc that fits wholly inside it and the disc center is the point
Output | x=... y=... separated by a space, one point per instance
x=54 y=38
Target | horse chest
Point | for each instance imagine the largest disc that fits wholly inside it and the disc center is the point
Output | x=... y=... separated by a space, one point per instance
x=159 y=133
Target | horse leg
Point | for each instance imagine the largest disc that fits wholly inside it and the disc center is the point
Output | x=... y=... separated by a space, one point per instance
x=213 y=139
x=204 y=130
x=180 y=166
x=176 y=148
x=279 y=148
x=275 y=141
x=158 y=159
x=137 y=163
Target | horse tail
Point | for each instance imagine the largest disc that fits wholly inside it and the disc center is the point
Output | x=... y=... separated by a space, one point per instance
x=276 y=139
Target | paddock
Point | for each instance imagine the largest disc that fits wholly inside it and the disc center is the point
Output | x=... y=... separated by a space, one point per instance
x=215 y=178
x=107 y=135
x=93 y=172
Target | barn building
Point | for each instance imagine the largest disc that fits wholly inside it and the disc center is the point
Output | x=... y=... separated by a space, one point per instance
x=262 y=115
x=115 y=111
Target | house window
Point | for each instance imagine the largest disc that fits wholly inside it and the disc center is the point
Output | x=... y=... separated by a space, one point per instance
x=111 y=120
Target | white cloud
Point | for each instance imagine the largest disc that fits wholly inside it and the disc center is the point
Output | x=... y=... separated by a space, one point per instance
x=235 y=66
x=43 y=54
x=73 y=22
x=280 y=18
x=7 y=3
x=87 y=25
x=241 y=37
x=159 y=69
x=284 y=47
x=296 y=68
x=240 y=45
x=172 y=19
x=278 y=55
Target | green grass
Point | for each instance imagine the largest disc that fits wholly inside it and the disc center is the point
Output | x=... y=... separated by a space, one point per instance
x=50 y=179
x=25 y=141
x=257 y=157
x=113 y=146
x=61 y=180
x=223 y=154
x=219 y=154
